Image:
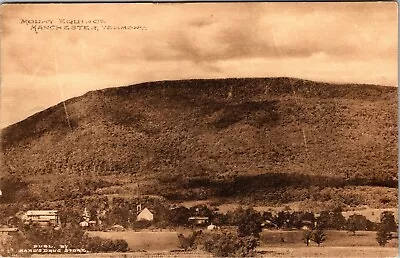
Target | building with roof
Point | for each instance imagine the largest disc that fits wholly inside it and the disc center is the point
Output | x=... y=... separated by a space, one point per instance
x=42 y=217
x=145 y=214
x=199 y=220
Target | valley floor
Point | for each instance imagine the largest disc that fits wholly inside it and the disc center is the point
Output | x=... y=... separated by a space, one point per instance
x=337 y=244
x=356 y=252
x=330 y=251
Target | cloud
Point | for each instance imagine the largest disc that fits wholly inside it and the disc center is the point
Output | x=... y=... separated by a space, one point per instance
x=344 y=35
x=336 y=42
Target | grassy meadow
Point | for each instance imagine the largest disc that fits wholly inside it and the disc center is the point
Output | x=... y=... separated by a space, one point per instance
x=337 y=244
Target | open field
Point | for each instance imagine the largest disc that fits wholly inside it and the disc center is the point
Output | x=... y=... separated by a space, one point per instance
x=167 y=241
x=304 y=251
x=355 y=252
x=334 y=238
x=144 y=240
x=338 y=244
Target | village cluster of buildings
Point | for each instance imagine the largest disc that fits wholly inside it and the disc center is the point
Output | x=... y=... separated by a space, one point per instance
x=52 y=217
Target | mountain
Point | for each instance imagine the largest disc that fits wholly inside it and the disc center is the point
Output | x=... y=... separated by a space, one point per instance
x=194 y=139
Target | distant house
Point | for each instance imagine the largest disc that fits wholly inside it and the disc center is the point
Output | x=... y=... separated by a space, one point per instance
x=8 y=229
x=84 y=224
x=269 y=224
x=145 y=214
x=211 y=227
x=42 y=217
x=198 y=220
x=308 y=225
x=117 y=228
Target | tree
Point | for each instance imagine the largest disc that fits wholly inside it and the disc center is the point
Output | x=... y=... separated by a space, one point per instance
x=295 y=219
x=249 y=222
x=307 y=236
x=385 y=228
x=70 y=215
x=282 y=219
x=119 y=214
x=220 y=219
x=201 y=210
x=338 y=221
x=331 y=220
x=13 y=188
x=318 y=236
x=383 y=235
x=268 y=216
x=388 y=221
x=356 y=222
x=308 y=216
x=178 y=216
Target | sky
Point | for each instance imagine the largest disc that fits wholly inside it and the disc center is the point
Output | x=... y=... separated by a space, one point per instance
x=331 y=42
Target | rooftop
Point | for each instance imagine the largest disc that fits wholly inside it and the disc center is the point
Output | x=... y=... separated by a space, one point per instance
x=42 y=212
x=198 y=218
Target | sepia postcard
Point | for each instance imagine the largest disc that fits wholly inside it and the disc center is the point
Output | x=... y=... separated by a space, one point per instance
x=265 y=129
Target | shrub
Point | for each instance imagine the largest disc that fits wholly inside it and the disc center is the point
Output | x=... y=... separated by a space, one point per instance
x=120 y=245
x=188 y=243
x=108 y=245
x=318 y=236
x=229 y=244
x=141 y=224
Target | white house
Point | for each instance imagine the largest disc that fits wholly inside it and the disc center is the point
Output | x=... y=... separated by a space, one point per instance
x=145 y=214
x=42 y=217
x=211 y=227
x=84 y=224
x=198 y=220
